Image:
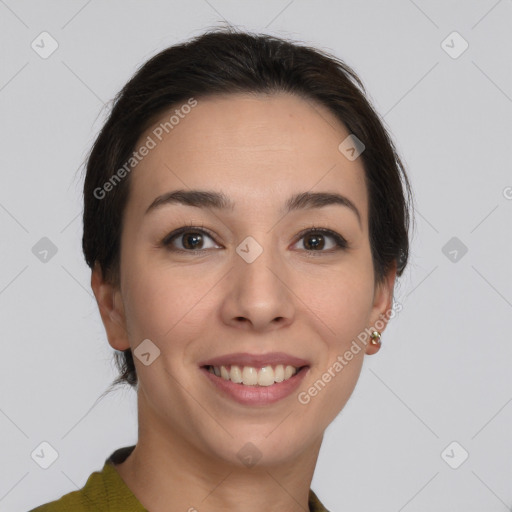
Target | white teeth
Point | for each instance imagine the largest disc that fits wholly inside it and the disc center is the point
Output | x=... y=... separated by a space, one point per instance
x=279 y=373
x=288 y=372
x=224 y=373
x=266 y=376
x=250 y=376
x=235 y=375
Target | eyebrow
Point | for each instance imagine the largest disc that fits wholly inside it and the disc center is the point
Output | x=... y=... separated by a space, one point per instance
x=218 y=200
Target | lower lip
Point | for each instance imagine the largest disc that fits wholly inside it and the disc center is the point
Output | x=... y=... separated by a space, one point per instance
x=257 y=395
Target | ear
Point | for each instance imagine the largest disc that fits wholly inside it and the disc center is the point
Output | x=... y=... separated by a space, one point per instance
x=111 y=309
x=382 y=307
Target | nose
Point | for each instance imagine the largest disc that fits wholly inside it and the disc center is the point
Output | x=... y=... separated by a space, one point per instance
x=258 y=297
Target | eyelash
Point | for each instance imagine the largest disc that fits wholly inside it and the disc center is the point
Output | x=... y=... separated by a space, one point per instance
x=340 y=242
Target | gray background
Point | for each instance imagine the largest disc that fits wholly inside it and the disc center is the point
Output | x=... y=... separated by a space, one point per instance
x=443 y=373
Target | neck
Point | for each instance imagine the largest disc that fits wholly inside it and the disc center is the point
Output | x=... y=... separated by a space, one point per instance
x=169 y=471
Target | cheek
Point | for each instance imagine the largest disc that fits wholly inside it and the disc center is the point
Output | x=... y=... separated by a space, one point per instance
x=331 y=384
x=161 y=302
x=341 y=300
x=343 y=314
x=339 y=309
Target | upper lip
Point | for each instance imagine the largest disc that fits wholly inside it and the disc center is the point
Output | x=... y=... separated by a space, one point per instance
x=256 y=360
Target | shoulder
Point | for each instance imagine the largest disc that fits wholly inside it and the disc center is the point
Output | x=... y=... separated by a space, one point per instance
x=103 y=491
x=315 y=505
x=92 y=497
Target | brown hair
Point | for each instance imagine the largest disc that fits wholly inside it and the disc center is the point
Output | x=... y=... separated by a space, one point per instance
x=224 y=61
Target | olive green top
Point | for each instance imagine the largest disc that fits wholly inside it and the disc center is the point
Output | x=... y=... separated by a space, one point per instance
x=106 y=491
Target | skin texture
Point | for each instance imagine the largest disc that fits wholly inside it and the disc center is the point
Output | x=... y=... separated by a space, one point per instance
x=258 y=150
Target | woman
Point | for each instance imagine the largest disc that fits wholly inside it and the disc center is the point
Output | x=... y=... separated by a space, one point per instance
x=245 y=219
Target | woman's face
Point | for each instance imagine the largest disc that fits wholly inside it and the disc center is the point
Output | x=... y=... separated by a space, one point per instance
x=214 y=291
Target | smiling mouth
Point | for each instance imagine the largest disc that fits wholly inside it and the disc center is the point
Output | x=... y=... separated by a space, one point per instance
x=251 y=376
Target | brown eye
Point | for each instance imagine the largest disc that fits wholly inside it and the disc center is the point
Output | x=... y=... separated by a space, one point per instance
x=314 y=241
x=322 y=240
x=192 y=240
x=188 y=240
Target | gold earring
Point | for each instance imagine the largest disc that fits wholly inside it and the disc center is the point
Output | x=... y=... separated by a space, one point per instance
x=375 y=338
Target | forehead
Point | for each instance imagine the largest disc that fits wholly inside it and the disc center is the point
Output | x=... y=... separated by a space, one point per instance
x=247 y=145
